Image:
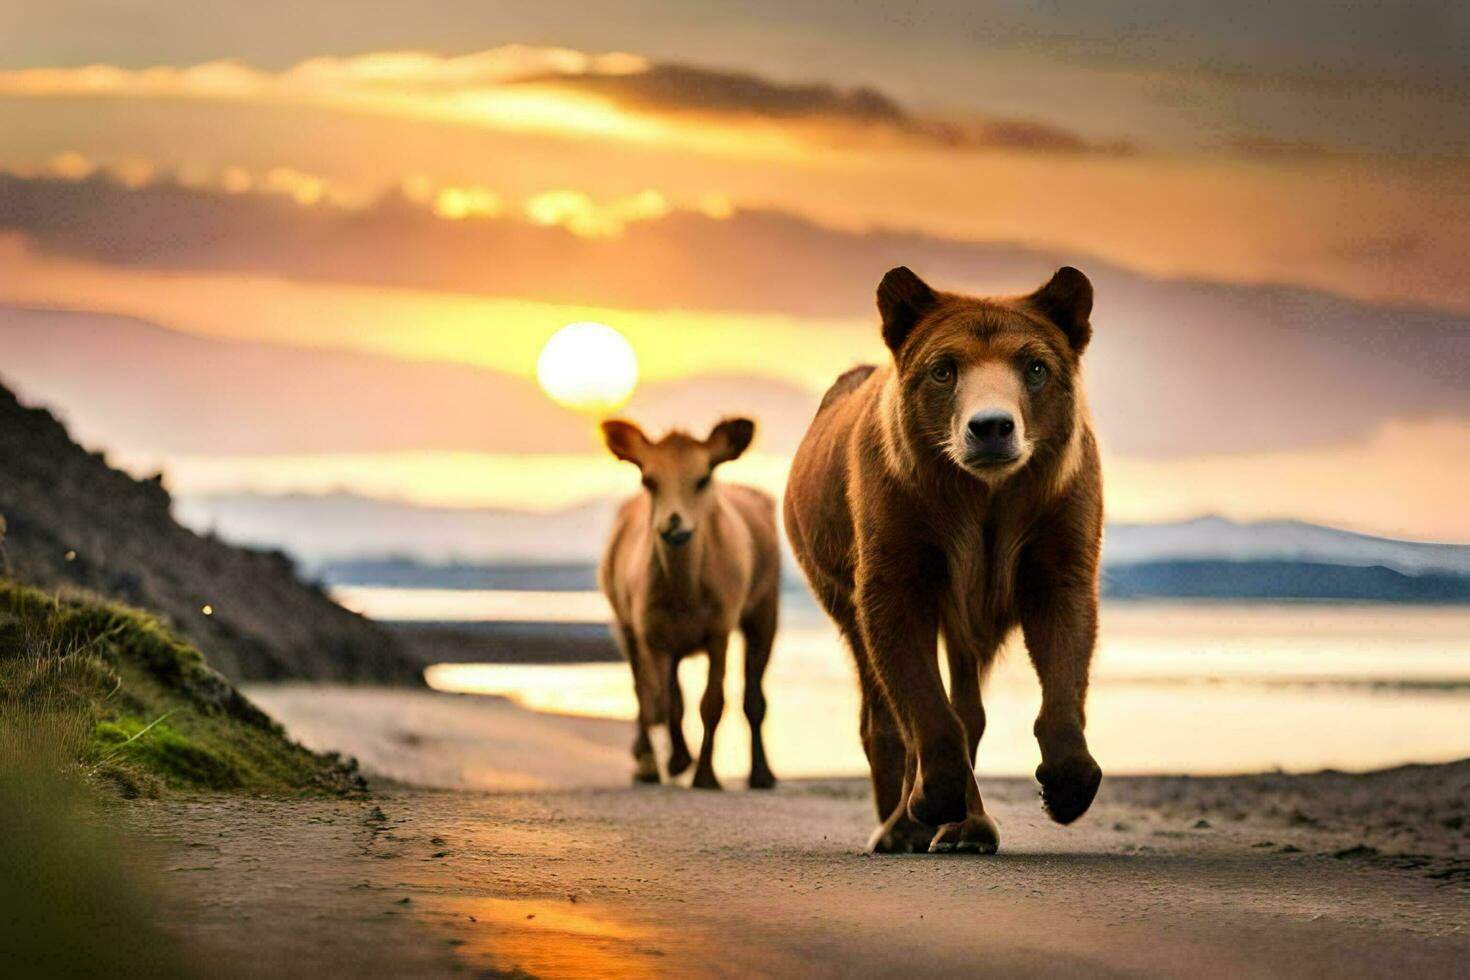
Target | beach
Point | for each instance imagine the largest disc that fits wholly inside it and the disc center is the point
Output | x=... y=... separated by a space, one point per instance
x=566 y=869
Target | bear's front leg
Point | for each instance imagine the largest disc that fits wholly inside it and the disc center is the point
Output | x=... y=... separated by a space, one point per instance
x=899 y=620
x=977 y=833
x=1060 y=635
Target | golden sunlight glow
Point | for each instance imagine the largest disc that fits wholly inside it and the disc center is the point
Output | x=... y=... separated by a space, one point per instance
x=457 y=203
x=550 y=937
x=72 y=166
x=424 y=325
x=589 y=367
x=585 y=218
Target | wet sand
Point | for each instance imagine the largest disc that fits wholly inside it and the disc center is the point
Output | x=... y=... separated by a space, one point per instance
x=570 y=871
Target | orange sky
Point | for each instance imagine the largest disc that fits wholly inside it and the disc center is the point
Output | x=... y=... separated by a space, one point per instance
x=1377 y=228
x=603 y=145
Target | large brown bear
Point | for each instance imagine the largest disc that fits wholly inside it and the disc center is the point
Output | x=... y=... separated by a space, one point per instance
x=957 y=490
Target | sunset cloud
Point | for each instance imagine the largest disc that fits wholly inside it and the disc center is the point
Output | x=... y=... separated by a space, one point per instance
x=487 y=89
x=611 y=95
x=572 y=210
x=758 y=295
x=389 y=72
x=843 y=113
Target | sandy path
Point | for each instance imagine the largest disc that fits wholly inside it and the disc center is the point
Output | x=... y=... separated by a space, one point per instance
x=451 y=741
x=671 y=882
x=1319 y=875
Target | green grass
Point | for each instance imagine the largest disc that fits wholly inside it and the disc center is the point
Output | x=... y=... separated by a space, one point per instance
x=92 y=687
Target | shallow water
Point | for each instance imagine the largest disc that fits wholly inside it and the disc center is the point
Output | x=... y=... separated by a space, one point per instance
x=1177 y=687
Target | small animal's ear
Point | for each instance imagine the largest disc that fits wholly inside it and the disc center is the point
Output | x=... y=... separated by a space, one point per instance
x=625 y=440
x=729 y=439
x=1066 y=300
x=903 y=299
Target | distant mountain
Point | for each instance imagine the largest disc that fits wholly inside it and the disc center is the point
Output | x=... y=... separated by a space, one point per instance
x=1270 y=580
x=1216 y=538
x=1262 y=580
x=317 y=529
x=72 y=520
x=349 y=539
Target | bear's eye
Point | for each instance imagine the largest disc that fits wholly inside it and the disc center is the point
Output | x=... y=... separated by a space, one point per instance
x=702 y=483
x=650 y=485
x=1036 y=373
x=942 y=372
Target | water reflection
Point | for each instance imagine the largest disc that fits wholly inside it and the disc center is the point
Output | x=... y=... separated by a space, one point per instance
x=1204 y=688
x=392 y=604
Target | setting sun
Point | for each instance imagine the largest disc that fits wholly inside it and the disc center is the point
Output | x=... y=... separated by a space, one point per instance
x=589 y=367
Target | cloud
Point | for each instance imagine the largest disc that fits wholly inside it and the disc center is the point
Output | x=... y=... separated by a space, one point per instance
x=389 y=72
x=558 y=246
x=1180 y=367
x=612 y=95
x=1274 y=148
x=863 y=112
x=572 y=210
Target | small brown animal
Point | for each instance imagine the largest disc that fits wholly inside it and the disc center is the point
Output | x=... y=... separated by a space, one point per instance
x=688 y=562
x=957 y=490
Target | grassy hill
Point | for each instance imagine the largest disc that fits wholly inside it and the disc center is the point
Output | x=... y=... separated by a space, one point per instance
x=88 y=685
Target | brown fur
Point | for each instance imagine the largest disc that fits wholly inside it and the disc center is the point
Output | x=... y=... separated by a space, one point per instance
x=904 y=537
x=670 y=599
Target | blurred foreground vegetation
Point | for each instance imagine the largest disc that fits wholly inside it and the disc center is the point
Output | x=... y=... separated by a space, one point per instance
x=77 y=898
x=99 y=701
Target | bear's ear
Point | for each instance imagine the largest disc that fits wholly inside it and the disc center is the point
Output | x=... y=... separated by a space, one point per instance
x=625 y=440
x=729 y=439
x=1066 y=300
x=903 y=299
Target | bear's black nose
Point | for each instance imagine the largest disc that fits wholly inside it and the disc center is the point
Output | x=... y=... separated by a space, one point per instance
x=992 y=435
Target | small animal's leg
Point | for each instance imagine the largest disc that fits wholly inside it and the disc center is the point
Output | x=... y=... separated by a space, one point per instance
x=711 y=707
x=1060 y=634
x=760 y=634
x=679 y=749
x=645 y=766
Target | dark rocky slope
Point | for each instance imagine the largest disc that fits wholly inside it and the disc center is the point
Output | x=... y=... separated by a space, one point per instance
x=72 y=520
